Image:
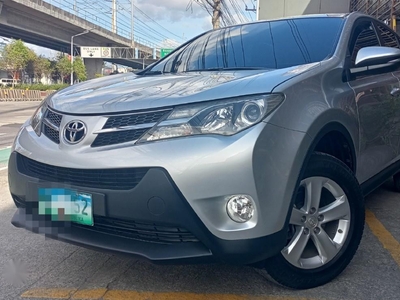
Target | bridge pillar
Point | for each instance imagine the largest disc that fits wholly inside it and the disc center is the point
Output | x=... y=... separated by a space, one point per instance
x=93 y=66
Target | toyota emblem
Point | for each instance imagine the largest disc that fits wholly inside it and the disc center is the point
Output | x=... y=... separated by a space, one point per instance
x=74 y=132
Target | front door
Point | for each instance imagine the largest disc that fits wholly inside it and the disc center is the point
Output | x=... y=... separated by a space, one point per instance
x=373 y=94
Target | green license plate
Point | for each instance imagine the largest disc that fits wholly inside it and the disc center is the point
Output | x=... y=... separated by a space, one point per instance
x=66 y=205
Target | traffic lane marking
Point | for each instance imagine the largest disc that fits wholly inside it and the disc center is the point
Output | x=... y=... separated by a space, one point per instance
x=105 y=294
x=49 y=293
x=4 y=155
x=383 y=235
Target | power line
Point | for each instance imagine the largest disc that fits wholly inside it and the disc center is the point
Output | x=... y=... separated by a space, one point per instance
x=98 y=12
x=157 y=22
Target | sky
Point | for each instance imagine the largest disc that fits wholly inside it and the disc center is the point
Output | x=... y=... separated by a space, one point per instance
x=185 y=18
x=160 y=22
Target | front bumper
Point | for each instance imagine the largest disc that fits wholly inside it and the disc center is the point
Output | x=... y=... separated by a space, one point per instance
x=156 y=205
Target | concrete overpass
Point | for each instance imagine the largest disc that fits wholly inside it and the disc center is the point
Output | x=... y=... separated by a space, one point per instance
x=40 y=23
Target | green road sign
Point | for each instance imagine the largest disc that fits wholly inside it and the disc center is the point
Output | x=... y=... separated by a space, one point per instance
x=165 y=52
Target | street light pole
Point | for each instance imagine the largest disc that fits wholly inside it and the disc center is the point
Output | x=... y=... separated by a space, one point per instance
x=72 y=53
x=145 y=57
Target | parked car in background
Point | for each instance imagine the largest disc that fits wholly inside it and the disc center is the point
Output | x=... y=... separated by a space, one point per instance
x=6 y=82
x=251 y=144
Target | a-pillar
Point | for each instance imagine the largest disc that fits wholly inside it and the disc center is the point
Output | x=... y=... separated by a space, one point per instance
x=94 y=67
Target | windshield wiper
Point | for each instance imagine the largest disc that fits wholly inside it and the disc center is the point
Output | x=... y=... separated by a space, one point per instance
x=233 y=69
x=151 y=73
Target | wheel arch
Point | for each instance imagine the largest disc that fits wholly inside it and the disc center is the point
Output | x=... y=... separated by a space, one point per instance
x=316 y=134
x=334 y=139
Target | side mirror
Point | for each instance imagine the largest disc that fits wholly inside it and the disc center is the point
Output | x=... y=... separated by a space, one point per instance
x=377 y=55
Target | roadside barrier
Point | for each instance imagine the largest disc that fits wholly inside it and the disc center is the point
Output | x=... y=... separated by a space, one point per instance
x=23 y=95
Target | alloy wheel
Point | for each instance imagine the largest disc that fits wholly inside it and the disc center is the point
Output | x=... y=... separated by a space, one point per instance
x=319 y=223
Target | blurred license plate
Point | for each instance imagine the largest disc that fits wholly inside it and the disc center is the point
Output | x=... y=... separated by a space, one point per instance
x=66 y=205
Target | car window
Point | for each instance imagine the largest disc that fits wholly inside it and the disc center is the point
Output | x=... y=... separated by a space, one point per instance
x=364 y=36
x=268 y=45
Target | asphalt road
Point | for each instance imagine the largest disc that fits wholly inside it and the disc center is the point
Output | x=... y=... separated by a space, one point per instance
x=54 y=270
x=12 y=116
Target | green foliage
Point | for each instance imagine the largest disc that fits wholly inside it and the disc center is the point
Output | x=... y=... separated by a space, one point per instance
x=79 y=69
x=30 y=66
x=63 y=66
x=15 y=57
x=39 y=87
x=42 y=67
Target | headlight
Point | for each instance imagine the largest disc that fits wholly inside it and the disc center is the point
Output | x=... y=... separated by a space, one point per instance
x=36 y=120
x=223 y=117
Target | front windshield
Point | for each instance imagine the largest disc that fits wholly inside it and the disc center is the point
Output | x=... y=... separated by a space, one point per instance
x=265 y=45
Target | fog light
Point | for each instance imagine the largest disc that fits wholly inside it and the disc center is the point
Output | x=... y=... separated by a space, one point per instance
x=240 y=208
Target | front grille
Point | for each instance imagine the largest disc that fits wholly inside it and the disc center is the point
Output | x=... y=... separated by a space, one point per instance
x=148 y=232
x=115 y=179
x=54 y=118
x=118 y=137
x=115 y=133
x=134 y=119
x=52 y=134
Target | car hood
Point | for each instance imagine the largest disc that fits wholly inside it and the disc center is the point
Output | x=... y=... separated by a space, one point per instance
x=127 y=92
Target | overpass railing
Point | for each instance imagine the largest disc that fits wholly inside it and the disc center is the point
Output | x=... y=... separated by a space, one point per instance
x=91 y=15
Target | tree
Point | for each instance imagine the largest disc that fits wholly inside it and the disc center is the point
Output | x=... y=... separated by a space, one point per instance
x=30 y=66
x=55 y=75
x=15 y=57
x=79 y=69
x=63 y=66
x=42 y=67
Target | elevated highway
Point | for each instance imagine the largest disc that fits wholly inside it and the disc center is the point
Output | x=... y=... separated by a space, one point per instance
x=40 y=23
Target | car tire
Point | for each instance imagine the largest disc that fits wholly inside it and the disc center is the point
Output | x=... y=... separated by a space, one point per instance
x=322 y=240
x=396 y=181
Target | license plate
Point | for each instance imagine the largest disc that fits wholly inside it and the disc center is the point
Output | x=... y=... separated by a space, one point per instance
x=66 y=205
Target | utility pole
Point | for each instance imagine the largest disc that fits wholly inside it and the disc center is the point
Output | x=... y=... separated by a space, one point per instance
x=216 y=14
x=114 y=16
x=132 y=36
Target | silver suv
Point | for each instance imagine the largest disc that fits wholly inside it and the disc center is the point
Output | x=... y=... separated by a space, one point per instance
x=252 y=144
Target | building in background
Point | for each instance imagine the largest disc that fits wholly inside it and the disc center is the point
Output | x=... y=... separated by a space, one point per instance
x=273 y=9
x=387 y=11
x=384 y=10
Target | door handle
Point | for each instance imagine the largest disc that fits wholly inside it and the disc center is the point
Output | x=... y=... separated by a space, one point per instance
x=395 y=92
